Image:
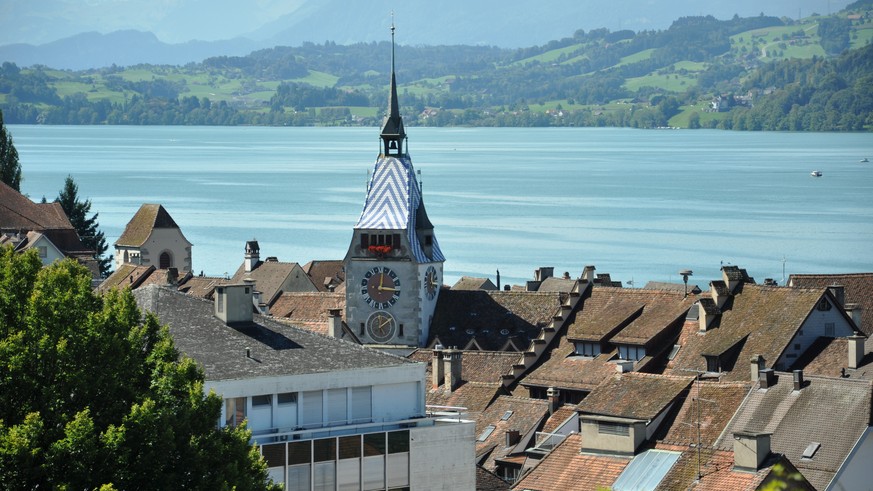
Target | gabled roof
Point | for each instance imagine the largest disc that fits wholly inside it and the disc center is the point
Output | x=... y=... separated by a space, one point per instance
x=555 y=284
x=527 y=415
x=829 y=411
x=472 y=283
x=476 y=366
x=756 y=320
x=719 y=403
x=634 y=395
x=146 y=219
x=566 y=468
x=559 y=417
x=717 y=473
x=663 y=310
x=633 y=316
x=276 y=349
x=676 y=287
x=858 y=289
x=126 y=276
x=488 y=481
x=200 y=286
x=564 y=370
x=269 y=276
x=828 y=357
x=325 y=273
x=492 y=318
x=307 y=310
x=18 y=212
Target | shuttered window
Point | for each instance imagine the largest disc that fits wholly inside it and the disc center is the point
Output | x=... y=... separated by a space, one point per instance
x=362 y=404
x=311 y=408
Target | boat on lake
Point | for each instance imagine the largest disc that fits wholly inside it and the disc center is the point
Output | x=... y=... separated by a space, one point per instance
x=864 y=160
x=815 y=173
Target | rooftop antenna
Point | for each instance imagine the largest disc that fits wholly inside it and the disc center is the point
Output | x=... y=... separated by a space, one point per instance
x=783 y=269
x=698 y=400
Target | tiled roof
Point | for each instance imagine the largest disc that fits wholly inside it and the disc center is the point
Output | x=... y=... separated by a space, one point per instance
x=719 y=403
x=473 y=283
x=475 y=396
x=717 y=473
x=566 y=468
x=634 y=395
x=488 y=481
x=276 y=349
x=308 y=310
x=675 y=287
x=566 y=371
x=18 y=212
x=323 y=273
x=147 y=218
x=829 y=357
x=161 y=277
x=200 y=286
x=527 y=415
x=555 y=284
x=664 y=309
x=829 y=411
x=757 y=319
x=559 y=417
x=858 y=288
x=492 y=318
x=604 y=312
x=394 y=202
x=126 y=275
x=269 y=276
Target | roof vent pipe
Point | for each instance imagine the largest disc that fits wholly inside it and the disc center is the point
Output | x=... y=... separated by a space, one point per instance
x=798 y=379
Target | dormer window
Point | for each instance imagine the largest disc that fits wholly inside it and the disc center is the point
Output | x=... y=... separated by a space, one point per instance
x=587 y=348
x=713 y=364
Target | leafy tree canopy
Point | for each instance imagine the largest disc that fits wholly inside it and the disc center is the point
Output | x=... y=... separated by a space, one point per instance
x=87 y=228
x=94 y=396
x=10 y=169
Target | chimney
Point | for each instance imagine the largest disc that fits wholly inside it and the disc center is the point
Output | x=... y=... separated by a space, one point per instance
x=436 y=367
x=707 y=312
x=252 y=256
x=856 y=350
x=334 y=323
x=452 y=367
x=588 y=273
x=766 y=378
x=512 y=437
x=719 y=292
x=498 y=280
x=750 y=450
x=839 y=293
x=566 y=275
x=543 y=273
x=798 y=379
x=233 y=304
x=172 y=276
x=756 y=364
x=554 y=396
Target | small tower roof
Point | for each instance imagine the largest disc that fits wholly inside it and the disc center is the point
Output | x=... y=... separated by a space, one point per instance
x=139 y=228
x=393 y=135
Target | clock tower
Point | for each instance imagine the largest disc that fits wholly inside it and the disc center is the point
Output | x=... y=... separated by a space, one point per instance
x=394 y=265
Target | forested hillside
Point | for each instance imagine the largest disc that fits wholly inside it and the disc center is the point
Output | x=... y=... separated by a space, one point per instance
x=758 y=73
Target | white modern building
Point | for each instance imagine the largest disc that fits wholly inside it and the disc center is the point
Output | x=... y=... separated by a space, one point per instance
x=327 y=414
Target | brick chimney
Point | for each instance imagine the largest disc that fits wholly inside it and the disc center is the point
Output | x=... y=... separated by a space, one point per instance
x=856 y=350
x=512 y=437
x=233 y=304
x=334 y=323
x=252 y=256
x=750 y=450
x=452 y=367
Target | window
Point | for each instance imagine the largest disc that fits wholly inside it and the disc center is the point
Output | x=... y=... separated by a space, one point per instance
x=220 y=306
x=398 y=441
x=588 y=348
x=506 y=415
x=287 y=398
x=631 y=352
x=324 y=450
x=311 y=408
x=830 y=329
x=374 y=444
x=234 y=411
x=712 y=364
x=350 y=447
x=797 y=346
x=374 y=240
x=43 y=252
x=265 y=400
x=608 y=428
x=823 y=305
x=274 y=454
x=362 y=405
x=299 y=453
x=428 y=240
x=165 y=260
x=486 y=433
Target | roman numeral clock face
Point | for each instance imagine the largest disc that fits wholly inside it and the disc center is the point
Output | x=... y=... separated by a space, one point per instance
x=380 y=287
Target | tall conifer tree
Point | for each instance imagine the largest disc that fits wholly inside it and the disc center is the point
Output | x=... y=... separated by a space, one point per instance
x=10 y=169
x=87 y=228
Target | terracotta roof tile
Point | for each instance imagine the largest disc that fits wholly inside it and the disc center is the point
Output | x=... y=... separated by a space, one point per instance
x=527 y=416
x=719 y=403
x=325 y=273
x=146 y=219
x=126 y=276
x=566 y=468
x=858 y=289
x=829 y=357
x=488 y=481
x=716 y=473
x=634 y=395
x=604 y=312
x=200 y=286
x=492 y=318
x=269 y=277
x=476 y=366
x=559 y=417
x=18 y=212
x=567 y=371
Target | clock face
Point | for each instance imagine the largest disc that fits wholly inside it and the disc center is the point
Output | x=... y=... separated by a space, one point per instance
x=381 y=326
x=431 y=283
x=380 y=287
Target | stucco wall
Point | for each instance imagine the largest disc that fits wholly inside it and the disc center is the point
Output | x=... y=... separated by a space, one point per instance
x=442 y=457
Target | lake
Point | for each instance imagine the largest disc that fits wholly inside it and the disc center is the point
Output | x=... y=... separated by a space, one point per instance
x=638 y=204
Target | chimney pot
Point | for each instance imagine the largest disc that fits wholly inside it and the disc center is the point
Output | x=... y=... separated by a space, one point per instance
x=452 y=366
x=756 y=364
x=554 y=396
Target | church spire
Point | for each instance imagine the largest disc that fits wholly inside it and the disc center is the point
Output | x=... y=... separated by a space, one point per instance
x=393 y=135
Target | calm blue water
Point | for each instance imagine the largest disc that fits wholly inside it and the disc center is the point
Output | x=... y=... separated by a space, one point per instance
x=639 y=204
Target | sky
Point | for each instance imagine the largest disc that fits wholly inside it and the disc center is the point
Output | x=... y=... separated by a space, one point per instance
x=176 y=21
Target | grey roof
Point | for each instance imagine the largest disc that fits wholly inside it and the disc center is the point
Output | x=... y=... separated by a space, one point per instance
x=276 y=349
x=830 y=411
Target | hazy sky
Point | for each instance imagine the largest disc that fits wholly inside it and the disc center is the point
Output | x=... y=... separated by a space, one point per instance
x=175 y=21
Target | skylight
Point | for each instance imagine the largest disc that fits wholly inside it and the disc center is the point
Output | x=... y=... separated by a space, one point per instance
x=810 y=450
x=486 y=433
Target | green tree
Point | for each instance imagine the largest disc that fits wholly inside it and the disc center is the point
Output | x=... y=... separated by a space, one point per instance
x=10 y=169
x=94 y=395
x=87 y=228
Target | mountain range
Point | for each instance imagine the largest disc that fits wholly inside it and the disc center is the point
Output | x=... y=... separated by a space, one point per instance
x=101 y=33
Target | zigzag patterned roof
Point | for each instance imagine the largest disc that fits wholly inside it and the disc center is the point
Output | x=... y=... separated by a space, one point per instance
x=393 y=200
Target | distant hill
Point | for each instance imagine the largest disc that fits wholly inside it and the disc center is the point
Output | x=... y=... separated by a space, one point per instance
x=501 y=23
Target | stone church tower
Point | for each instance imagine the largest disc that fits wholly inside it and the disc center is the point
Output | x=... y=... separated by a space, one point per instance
x=394 y=265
